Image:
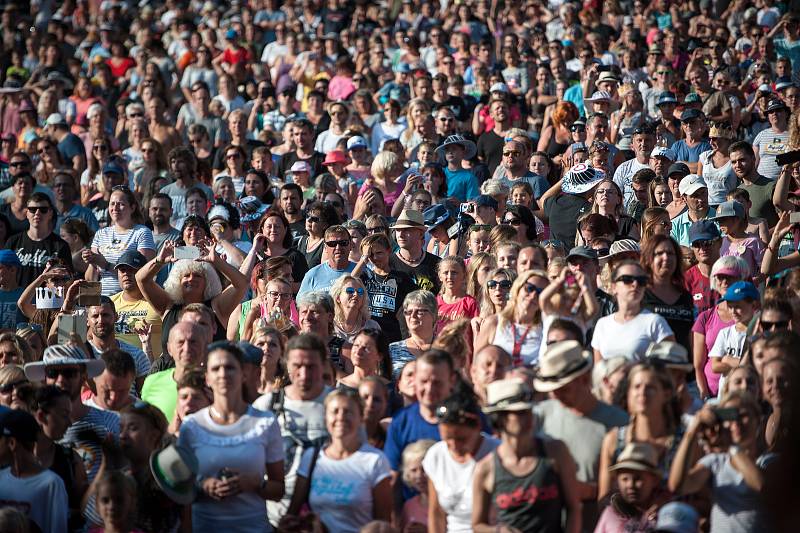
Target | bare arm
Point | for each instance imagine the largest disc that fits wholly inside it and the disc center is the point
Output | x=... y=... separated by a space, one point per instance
x=145 y=278
x=683 y=478
x=772 y=264
x=437 y=518
x=486 y=335
x=780 y=196
x=604 y=485
x=232 y=328
x=699 y=358
x=482 y=484
x=382 y=500
x=299 y=496
x=565 y=465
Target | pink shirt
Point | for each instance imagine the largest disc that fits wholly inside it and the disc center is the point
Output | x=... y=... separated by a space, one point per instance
x=750 y=249
x=466 y=307
x=611 y=522
x=710 y=324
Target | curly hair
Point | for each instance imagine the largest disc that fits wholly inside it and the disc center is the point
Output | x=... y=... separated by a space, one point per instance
x=173 y=285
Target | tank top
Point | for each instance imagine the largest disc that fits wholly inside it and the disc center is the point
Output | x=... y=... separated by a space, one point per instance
x=665 y=463
x=530 y=503
x=522 y=342
x=554 y=147
x=718 y=179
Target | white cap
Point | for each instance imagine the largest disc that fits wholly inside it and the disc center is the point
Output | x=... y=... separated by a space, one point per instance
x=660 y=151
x=356 y=142
x=499 y=87
x=55 y=119
x=300 y=166
x=691 y=184
x=764 y=88
x=600 y=96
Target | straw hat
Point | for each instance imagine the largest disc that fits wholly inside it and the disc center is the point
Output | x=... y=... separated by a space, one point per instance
x=508 y=395
x=63 y=355
x=637 y=456
x=561 y=363
x=410 y=219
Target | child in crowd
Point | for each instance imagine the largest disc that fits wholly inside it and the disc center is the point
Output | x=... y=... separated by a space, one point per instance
x=415 y=511
x=116 y=503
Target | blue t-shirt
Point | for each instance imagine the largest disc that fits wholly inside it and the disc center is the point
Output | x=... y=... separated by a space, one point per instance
x=575 y=95
x=10 y=315
x=322 y=276
x=70 y=146
x=407 y=426
x=81 y=212
x=461 y=184
x=690 y=154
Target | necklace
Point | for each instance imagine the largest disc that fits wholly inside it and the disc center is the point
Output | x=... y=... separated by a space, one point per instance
x=417 y=345
x=411 y=262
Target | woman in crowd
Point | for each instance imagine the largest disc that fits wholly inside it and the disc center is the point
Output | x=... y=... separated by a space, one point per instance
x=235 y=161
x=223 y=189
x=191 y=281
x=478 y=269
x=518 y=327
x=92 y=177
x=194 y=231
x=347 y=483
x=239 y=451
x=522 y=220
x=608 y=201
x=16 y=392
x=369 y=356
x=735 y=467
x=678 y=204
x=390 y=128
x=57 y=274
x=50 y=162
x=319 y=217
x=374 y=392
x=272 y=305
x=556 y=138
x=450 y=463
x=272 y=343
x=16 y=210
x=658 y=194
x=655 y=221
x=154 y=164
x=453 y=301
x=665 y=294
x=33 y=335
x=630 y=330
x=725 y=272
x=655 y=420
x=351 y=308
x=715 y=165
x=420 y=310
x=13 y=350
x=126 y=232
x=278 y=243
x=257 y=183
x=493 y=295
x=434 y=181
x=778 y=387
x=78 y=236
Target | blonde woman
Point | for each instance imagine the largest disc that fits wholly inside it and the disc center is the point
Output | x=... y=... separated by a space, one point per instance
x=453 y=300
x=478 y=269
x=416 y=112
x=493 y=296
x=518 y=327
x=655 y=220
x=351 y=308
x=386 y=168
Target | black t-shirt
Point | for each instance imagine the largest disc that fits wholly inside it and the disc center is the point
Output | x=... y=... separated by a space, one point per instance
x=290 y=158
x=679 y=315
x=34 y=254
x=423 y=275
x=298 y=229
x=386 y=297
x=314 y=257
x=562 y=212
x=490 y=149
x=457 y=105
x=17 y=226
x=99 y=208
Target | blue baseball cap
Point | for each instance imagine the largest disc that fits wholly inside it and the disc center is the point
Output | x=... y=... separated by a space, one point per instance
x=731 y=208
x=484 y=200
x=113 y=168
x=252 y=354
x=741 y=290
x=436 y=215
x=666 y=98
x=703 y=230
x=9 y=258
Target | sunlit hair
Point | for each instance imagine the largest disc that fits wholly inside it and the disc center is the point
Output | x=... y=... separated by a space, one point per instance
x=648 y=256
x=383 y=163
x=728 y=262
x=502 y=233
x=564 y=114
x=174 y=287
x=651 y=217
x=423 y=298
x=348 y=395
x=670 y=409
x=475 y=263
x=486 y=306
x=338 y=288
x=725 y=392
x=456 y=339
x=508 y=314
x=451 y=260
x=413 y=453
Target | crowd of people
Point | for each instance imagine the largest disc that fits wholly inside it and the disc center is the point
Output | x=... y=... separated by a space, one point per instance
x=399 y=266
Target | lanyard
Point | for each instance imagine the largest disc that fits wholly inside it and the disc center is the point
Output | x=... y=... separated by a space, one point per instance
x=518 y=342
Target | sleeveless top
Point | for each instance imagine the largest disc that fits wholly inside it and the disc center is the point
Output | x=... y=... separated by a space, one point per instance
x=665 y=463
x=522 y=342
x=554 y=147
x=718 y=179
x=532 y=502
x=171 y=318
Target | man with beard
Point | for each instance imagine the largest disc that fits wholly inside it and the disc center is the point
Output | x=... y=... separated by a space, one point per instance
x=760 y=188
x=291 y=200
x=321 y=277
x=101 y=337
x=134 y=313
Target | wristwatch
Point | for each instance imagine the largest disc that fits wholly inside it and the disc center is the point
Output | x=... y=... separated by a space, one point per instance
x=733 y=450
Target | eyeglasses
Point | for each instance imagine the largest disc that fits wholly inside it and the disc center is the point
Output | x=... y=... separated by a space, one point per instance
x=41 y=208
x=530 y=288
x=513 y=221
x=136 y=115
x=9 y=387
x=480 y=227
x=602 y=251
x=493 y=284
x=342 y=243
x=663 y=72
x=17 y=164
x=313 y=220
x=68 y=373
x=44 y=149
x=102 y=147
x=630 y=280
x=511 y=153
x=376 y=229
x=281 y=295
x=605 y=192
x=353 y=290
x=447 y=119
x=233 y=156
x=703 y=243
x=415 y=312
x=771 y=326
x=577 y=129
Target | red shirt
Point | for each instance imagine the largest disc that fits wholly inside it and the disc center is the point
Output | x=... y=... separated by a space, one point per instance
x=466 y=307
x=699 y=287
x=234 y=56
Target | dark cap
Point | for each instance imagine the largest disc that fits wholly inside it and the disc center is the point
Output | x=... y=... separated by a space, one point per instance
x=691 y=114
x=19 y=425
x=703 y=230
x=582 y=251
x=484 y=200
x=131 y=258
x=678 y=168
x=252 y=354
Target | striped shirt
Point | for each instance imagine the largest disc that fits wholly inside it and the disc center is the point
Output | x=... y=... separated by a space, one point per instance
x=112 y=243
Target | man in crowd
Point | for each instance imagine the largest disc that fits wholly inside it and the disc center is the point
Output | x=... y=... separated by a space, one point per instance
x=321 y=277
x=642 y=142
x=760 y=188
x=183 y=166
x=134 y=314
x=490 y=143
x=113 y=387
x=694 y=192
x=66 y=202
x=411 y=256
x=303 y=139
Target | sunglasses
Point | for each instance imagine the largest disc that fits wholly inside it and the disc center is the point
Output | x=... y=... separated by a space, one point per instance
x=480 y=227
x=492 y=284
x=9 y=387
x=530 y=288
x=415 y=312
x=771 y=326
x=341 y=243
x=313 y=220
x=553 y=242
x=17 y=164
x=35 y=208
x=703 y=243
x=136 y=115
x=578 y=129
x=630 y=280
x=513 y=221
x=68 y=373
x=100 y=147
x=511 y=153
x=352 y=290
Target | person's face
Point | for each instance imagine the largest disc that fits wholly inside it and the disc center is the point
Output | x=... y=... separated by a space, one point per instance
x=193 y=235
x=636 y=486
x=304 y=368
x=55 y=421
x=499 y=112
x=340 y=251
x=645 y=392
x=190 y=400
x=744 y=428
x=113 y=392
x=126 y=276
x=196 y=205
x=606 y=195
x=664 y=260
x=742 y=379
x=342 y=417
x=432 y=383
x=409 y=238
x=460 y=439
x=314 y=319
x=513 y=156
x=698 y=200
x=302 y=137
x=223 y=373
x=643 y=144
x=520 y=196
x=454 y=153
x=186 y=346
x=137 y=437
x=776 y=382
x=777 y=119
x=364 y=353
x=773 y=320
x=507 y=258
x=290 y=201
x=518 y=423
x=479 y=241
x=375 y=400
x=101 y=320
x=113 y=505
x=742 y=164
x=17 y=165
x=39 y=213
x=706 y=251
x=693 y=128
x=498 y=288
x=742 y=311
x=538 y=165
x=274 y=230
x=627 y=286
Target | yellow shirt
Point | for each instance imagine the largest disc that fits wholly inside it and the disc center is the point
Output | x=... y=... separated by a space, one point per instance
x=132 y=311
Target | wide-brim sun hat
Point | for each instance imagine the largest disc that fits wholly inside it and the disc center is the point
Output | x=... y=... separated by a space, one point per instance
x=410 y=219
x=174 y=470
x=581 y=178
x=469 y=147
x=561 y=364
x=508 y=395
x=63 y=355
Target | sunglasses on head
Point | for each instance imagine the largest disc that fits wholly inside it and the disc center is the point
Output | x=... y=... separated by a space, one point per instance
x=353 y=290
x=68 y=373
x=630 y=280
x=341 y=243
x=504 y=284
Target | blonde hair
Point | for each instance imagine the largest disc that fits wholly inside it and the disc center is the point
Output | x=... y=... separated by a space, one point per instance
x=450 y=260
x=338 y=288
x=509 y=311
x=412 y=453
x=413 y=104
x=486 y=306
x=383 y=163
x=173 y=285
x=455 y=339
x=494 y=187
x=478 y=260
x=10 y=374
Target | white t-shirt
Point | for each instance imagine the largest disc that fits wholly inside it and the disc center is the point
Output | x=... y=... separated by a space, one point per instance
x=246 y=446
x=111 y=244
x=453 y=482
x=42 y=498
x=629 y=339
x=728 y=342
x=341 y=490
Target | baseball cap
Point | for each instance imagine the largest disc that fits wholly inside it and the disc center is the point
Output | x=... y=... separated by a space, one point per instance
x=741 y=290
x=300 y=166
x=219 y=211
x=19 y=425
x=55 y=119
x=499 y=87
x=356 y=142
x=113 y=168
x=666 y=98
x=131 y=258
x=691 y=184
x=703 y=230
x=678 y=168
x=677 y=517
x=731 y=208
x=484 y=200
x=691 y=114
x=660 y=151
x=9 y=258
x=582 y=251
